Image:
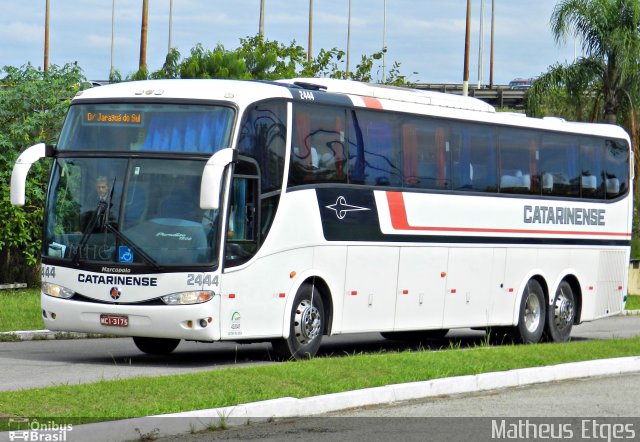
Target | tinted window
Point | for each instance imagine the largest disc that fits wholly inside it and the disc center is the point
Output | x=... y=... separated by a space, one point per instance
x=263 y=135
x=558 y=166
x=318 y=153
x=374 y=151
x=616 y=168
x=425 y=154
x=518 y=168
x=473 y=156
x=592 y=168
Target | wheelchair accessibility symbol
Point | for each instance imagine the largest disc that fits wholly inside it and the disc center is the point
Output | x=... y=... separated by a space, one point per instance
x=125 y=254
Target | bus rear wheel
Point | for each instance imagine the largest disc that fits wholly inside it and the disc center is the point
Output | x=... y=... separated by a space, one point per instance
x=306 y=326
x=532 y=315
x=155 y=346
x=561 y=314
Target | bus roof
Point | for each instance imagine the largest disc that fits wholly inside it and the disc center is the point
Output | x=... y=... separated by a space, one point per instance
x=245 y=92
x=394 y=93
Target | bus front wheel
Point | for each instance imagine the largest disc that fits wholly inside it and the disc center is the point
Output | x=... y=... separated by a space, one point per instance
x=561 y=314
x=532 y=315
x=155 y=346
x=306 y=325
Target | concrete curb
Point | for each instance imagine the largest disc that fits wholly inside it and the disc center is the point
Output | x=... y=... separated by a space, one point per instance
x=43 y=335
x=288 y=407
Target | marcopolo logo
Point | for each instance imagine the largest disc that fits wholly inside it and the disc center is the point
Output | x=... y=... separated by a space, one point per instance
x=115 y=293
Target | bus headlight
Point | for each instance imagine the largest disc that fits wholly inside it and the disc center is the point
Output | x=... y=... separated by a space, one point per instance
x=57 y=291
x=195 y=297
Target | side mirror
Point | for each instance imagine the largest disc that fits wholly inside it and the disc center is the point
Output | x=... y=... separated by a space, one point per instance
x=21 y=169
x=211 y=183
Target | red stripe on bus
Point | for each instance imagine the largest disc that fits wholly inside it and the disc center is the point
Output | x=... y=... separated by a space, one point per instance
x=372 y=103
x=399 y=221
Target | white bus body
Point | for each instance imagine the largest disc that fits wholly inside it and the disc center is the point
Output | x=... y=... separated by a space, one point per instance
x=314 y=217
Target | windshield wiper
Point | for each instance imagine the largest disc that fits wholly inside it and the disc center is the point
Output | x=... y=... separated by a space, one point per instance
x=100 y=216
x=88 y=231
x=122 y=237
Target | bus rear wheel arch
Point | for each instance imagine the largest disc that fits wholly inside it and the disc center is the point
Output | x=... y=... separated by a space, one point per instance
x=307 y=323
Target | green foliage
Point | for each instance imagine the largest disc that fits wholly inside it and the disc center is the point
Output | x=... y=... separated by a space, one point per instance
x=32 y=108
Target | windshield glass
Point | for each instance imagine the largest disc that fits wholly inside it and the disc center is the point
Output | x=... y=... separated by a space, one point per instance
x=147 y=127
x=129 y=211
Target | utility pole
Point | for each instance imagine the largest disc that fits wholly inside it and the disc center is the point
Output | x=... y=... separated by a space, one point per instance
x=309 y=47
x=113 y=18
x=480 y=44
x=143 y=35
x=384 y=39
x=493 y=26
x=170 y=25
x=46 y=37
x=467 y=43
x=348 y=37
x=261 y=25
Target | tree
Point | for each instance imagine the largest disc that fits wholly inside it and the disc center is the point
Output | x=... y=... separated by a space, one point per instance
x=609 y=33
x=32 y=108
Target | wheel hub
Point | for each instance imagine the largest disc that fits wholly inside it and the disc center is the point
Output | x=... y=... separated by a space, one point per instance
x=532 y=313
x=563 y=311
x=307 y=322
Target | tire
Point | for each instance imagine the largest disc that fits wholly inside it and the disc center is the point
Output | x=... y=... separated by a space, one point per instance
x=155 y=346
x=532 y=314
x=306 y=325
x=415 y=336
x=561 y=314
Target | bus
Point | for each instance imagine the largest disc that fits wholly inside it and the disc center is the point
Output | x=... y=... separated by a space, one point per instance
x=282 y=212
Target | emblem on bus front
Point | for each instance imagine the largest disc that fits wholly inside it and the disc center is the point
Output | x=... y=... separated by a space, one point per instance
x=342 y=208
x=115 y=293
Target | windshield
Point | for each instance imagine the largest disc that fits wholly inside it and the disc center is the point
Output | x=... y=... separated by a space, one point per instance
x=147 y=127
x=129 y=211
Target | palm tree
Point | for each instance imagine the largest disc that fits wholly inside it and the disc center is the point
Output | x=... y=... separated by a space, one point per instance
x=610 y=39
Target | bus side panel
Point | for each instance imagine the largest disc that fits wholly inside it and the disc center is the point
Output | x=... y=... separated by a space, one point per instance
x=331 y=262
x=612 y=282
x=252 y=305
x=468 y=291
x=520 y=267
x=370 y=287
x=585 y=262
x=421 y=285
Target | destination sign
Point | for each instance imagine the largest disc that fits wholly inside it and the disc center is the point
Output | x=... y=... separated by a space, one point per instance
x=129 y=118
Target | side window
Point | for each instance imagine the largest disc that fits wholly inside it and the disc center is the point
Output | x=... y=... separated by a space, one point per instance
x=591 y=168
x=616 y=168
x=473 y=156
x=374 y=157
x=558 y=166
x=242 y=229
x=263 y=134
x=518 y=149
x=318 y=153
x=425 y=154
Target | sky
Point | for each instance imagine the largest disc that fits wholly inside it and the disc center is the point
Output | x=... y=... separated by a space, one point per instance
x=425 y=36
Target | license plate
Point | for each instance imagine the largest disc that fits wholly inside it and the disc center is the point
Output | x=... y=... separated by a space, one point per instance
x=114 y=320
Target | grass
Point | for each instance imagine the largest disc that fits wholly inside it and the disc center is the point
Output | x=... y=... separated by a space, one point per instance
x=109 y=400
x=20 y=310
x=633 y=302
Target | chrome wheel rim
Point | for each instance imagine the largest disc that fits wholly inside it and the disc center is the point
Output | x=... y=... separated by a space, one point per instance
x=532 y=313
x=563 y=310
x=307 y=322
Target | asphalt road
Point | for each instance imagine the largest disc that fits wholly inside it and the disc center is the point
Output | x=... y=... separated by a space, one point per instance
x=32 y=364
x=604 y=408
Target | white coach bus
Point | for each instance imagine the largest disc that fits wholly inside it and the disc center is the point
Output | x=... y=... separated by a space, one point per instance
x=217 y=210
